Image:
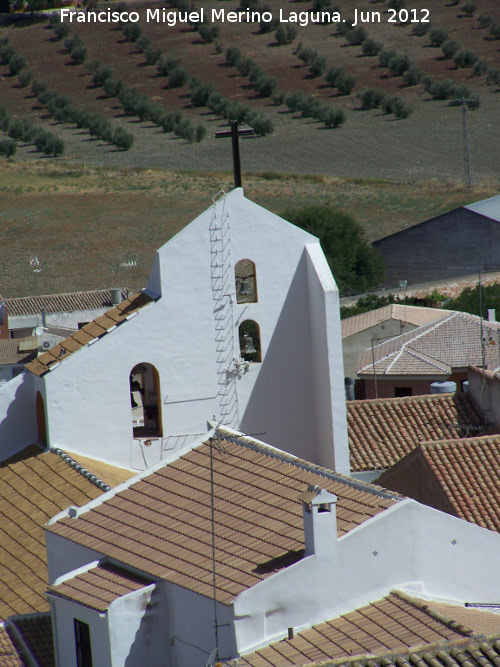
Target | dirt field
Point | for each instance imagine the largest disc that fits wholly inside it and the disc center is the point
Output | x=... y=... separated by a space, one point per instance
x=427 y=145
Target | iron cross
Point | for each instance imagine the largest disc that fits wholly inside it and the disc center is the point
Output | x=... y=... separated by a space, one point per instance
x=234 y=133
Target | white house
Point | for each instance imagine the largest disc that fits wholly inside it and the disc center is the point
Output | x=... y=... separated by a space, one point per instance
x=239 y=323
x=234 y=544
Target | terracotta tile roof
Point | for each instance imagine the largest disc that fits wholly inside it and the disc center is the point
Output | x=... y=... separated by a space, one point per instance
x=465 y=652
x=395 y=623
x=34 y=486
x=55 y=303
x=109 y=474
x=35 y=632
x=100 y=586
x=382 y=431
x=92 y=331
x=161 y=525
x=450 y=343
x=468 y=471
x=10 y=655
x=410 y=314
x=11 y=354
x=481 y=622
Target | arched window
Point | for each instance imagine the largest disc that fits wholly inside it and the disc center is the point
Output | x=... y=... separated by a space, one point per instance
x=40 y=420
x=145 y=400
x=246 y=281
x=250 y=341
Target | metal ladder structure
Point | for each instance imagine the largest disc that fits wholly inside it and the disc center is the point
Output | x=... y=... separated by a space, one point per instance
x=223 y=295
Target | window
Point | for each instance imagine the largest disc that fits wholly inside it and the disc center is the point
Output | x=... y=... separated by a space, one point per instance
x=402 y=391
x=246 y=281
x=145 y=400
x=83 y=647
x=250 y=341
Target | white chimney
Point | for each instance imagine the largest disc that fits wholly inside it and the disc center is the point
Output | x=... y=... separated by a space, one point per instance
x=320 y=521
x=492 y=315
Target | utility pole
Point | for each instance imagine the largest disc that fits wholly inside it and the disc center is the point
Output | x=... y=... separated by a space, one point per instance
x=468 y=169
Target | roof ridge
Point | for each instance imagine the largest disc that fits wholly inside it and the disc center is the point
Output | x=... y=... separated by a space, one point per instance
x=93 y=479
x=273 y=452
x=433 y=613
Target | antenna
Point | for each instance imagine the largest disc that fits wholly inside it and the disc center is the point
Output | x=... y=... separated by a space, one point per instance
x=214 y=440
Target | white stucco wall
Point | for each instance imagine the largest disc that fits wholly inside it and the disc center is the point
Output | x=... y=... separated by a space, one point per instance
x=63 y=614
x=288 y=398
x=138 y=632
x=409 y=546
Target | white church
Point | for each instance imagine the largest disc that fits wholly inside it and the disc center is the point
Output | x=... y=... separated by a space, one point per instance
x=221 y=386
x=239 y=325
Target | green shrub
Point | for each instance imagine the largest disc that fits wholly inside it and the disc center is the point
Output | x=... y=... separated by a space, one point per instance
x=170 y=120
x=495 y=30
x=101 y=74
x=152 y=55
x=385 y=56
x=79 y=54
x=61 y=30
x=449 y=48
x=438 y=36
x=396 y=4
x=371 y=98
x=485 y=20
x=332 y=116
x=122 y=139
x=112 y=87
x=481 y=67
x=317 y=66
x=178 y=77
x=465 y=58
x=8 y=147
x=420 y=29
x=167 y=64
x=132 y=32
x=261 y=124
x=494 y=76
x=201 y=132
x=399 y=64
x=200 y=92
x=16 y=64
x=356 y=36
x=265 y=85
x=345 y=83
x=245 y=66
x=469 y=8
x=370 y=47
x=6 y=53
x=208 y=33
x=412 y=76
x=143 y=43
x=233 y=56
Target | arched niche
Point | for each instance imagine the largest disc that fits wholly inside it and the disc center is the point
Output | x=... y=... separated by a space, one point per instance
x=246 y=281
x=145 y=400
x=250 y=349
x=41 y=421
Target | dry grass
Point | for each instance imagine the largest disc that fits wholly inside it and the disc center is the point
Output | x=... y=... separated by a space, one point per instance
x=84 y=223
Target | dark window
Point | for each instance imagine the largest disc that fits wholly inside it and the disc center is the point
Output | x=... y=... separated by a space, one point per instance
x=250 y=341
x=82 y=641
x=402 y=391
x=246 y=281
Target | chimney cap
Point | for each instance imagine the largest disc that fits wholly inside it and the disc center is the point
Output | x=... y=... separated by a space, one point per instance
x=317 y=496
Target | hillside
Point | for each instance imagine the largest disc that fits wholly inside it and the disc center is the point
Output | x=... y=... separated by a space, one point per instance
x=428 y=144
